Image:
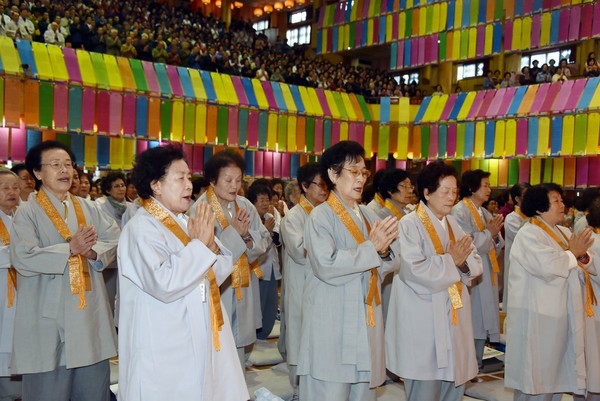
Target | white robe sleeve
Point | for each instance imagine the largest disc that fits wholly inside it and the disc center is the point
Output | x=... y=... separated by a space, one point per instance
x=292 y=233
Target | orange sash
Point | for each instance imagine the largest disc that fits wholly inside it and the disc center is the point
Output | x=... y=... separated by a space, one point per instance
x=12 y=273
x=519 y=212
x=455 y=290
x=480 y=226
x=350 y=224
x=596 y=230
x=393 y=208
x=160 y=214
x=590 y=295
x=378 y=198
x=305 y=204
x=79 y=274
x=240 y=277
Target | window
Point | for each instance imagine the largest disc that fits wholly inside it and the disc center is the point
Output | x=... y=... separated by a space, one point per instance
x=408 y=77
x=261 y=25
x=297 y=17
x=471 y=70
x=300 y=35
x=545 y=57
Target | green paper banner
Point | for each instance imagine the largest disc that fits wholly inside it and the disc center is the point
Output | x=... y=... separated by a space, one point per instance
x=75 y=101
x=166 y=110
x=222 y=125
x=46 y=105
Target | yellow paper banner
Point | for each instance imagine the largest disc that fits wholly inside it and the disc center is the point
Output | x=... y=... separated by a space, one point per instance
x=593 y=132
x=292 y=127
x=526 y=33
x=403 y=138
x=535 y=171
x=545 y=33
x=493 y=169
x=466 y=107
x=90 y=155
x=543 y=136
x=116 y=153
x=489 y=39
x=114 y=75
x=479 y=140
x=42 y=61
x=129 y=153
x=272 y=131
x=516 y=38
x=177 y=122
x=558 y=170
x=511 y=138
x=197 y=84
x=499 y=138
x=200 y=133
x=567 y=135
x=472 y=52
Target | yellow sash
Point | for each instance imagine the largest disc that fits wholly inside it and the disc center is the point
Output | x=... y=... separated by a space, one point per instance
x=393 y=208
x=481 y=227
x=379 y=199
x=240 y=277
x=519 y=212
x=160 y=214
x=305 y=204
x=350 y=224
x=596 y=230
x=590 y=295
x=455 y=290
x=12 y=273
x=79 y=274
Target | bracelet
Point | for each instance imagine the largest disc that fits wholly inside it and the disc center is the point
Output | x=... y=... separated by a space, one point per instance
x=584 y=259
x=385 y=254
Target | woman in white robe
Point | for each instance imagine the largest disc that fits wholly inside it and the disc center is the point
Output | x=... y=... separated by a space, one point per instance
x=341 y=349
x=546 y=311
x=429 y=334
x=296 y=265
x=9 y=199
x=484 y=229
x=171 y=344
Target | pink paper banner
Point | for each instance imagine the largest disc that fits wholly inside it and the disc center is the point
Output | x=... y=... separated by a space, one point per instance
x=448 y=107
x=492 y=111
x=586 y=21
x=232 y=127
x=524 y=168
x=527 y=6
x=286 y=167
x=421 y=51
x=551 y=97
x=198 y=163
x=188 y=152
x=18 y=141
x=335 y=132
x=61 y=109
x=173 y=76
x=521 y=145
x=323 y=102
x=268 y=164
x=563 y=26
x=376 y=38
x=140 y=147
x=536 y=26
x=575 y=23
x=395 y=18
x=103 y=111
x=563 y=96
x=476 y=105
x=318 y=135
x=380 y=164
x=508 y=34
x=596 y=24
x=540 y=96
x=252 y=129
x=506 y=101
x=358 y=36
x=575 y=94
x=434 y=49
x=433 y=141
x=353 y=131
x=487 y=102
x=88 y=110
x=451 y=141
x=361 y=135
x=239 y=90
x=151 y=78
x=480 y=48
x=276 y=164
x=594 y=168
x=401 y=164
x=266 y=85
x=4 y=137
x=581 y=177
x=72 y=65
x=116 y=109
x=129 y=110
x=259 y=163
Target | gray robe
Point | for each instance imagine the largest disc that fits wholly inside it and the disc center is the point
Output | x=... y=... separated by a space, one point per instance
x=245 y=314
x=484 y=295
x=336 y=344
x=7 y=315
x=50 y=329
x=420 y=340
x=296 y=267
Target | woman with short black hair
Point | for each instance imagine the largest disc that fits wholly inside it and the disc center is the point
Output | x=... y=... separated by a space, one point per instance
x=546 y=303
x=349 y=249
x=475 y=220
x=175 y=341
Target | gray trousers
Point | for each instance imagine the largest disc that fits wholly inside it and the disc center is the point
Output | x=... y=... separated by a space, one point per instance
x=520 y=396
x=479 y=347
x=11 y=388
x=312 y=389
x=88 y=383
x=432 y=390
x=269 y=299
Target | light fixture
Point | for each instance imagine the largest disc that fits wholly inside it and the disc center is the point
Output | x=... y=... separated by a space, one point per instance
x=300 y=2
x=289 y=3
x=218 y=3
x=206 y=2
x=238 y=4
x=268 y=9
x=278 y=6
x=258 y=12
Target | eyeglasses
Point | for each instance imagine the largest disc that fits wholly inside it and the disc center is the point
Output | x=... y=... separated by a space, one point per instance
x=56 y=165
x=407 y=187
x=356 y=172
x=321 y=184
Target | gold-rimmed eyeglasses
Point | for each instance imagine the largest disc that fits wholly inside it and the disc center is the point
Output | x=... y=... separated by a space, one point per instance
x=356 y=172
x=57 y=165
